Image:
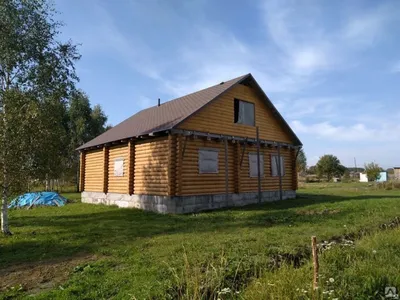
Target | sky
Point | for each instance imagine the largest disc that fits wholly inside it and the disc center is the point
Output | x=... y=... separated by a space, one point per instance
x=332 y=68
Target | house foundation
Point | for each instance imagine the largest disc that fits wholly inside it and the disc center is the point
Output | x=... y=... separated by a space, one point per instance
x=183 y=204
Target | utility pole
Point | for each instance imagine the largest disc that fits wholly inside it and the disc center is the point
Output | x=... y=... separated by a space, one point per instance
x=355 y=165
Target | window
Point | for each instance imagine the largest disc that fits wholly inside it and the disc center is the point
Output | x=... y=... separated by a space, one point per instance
x=275 y=165
x=253 y=165
x=119 y=167
x=244 y=112
x=208 y=161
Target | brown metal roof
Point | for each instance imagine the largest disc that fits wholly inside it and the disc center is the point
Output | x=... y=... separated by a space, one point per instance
x=167 y=115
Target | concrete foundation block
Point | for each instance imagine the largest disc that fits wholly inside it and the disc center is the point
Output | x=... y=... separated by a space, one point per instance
x=182 y=204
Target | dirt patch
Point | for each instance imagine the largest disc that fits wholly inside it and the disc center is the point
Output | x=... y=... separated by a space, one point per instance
x=39 y=276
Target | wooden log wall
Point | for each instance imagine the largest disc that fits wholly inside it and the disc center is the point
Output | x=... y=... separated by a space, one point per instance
x=151 y=166
x=190 y=182
x=82 y=158
x=268 y=182
x=118 y=184
x=172 y=163
x=193 y=183
x=94 y=171
x=131 y=166
x=221 y=112
x=166 y=166
x=295 y=179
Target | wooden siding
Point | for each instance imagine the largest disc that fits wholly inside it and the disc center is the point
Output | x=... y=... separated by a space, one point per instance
x=131 y=166
x=193 y=183
x=166 y=166
x=118 y=184
x=172 y=162
x=268 y=182
x=94 y=172
x=82 y=171
x=218 y=117
x=151 y=167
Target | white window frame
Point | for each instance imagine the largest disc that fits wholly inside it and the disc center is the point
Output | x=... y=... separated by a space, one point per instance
x=274 y=160
x=254 y=172
x=119 y=167
x=211 y=152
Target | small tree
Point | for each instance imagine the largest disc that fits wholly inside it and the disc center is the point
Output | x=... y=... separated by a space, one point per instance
x=346 y=176
x=301 y=162
x=312 y=170
x=329 y=166
x=373 y=171
x=37 y=74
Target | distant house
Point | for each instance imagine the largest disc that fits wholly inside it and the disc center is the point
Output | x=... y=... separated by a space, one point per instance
x=396 y=171
x=194 y=153
x=363 y=177
x=382 y=177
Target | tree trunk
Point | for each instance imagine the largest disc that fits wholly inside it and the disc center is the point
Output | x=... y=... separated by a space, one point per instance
x=4 y=207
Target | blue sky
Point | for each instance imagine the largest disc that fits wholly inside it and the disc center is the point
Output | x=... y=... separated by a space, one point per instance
x=332 y=68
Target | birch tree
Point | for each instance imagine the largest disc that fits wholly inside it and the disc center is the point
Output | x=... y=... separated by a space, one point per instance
x=36 y=74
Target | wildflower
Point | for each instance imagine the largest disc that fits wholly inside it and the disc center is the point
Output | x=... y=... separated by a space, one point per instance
x=225 y=291
x=374 y=251
x=345 y=226
x=331 y=280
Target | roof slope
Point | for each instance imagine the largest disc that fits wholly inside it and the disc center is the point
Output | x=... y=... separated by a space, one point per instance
x=169 y=114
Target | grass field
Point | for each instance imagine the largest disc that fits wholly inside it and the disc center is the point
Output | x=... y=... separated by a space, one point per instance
x=85 y=251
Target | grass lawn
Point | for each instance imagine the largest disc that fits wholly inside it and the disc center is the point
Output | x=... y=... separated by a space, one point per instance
x=84 y=251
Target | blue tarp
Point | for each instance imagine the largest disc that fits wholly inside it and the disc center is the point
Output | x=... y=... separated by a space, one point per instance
x=38 y=199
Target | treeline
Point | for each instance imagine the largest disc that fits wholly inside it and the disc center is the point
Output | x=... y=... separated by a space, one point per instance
x=329 y=167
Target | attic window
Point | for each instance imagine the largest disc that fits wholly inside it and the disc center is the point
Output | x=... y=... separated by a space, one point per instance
x=244 y=112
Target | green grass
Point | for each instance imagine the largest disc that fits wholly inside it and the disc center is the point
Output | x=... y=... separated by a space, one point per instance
x=144 y=255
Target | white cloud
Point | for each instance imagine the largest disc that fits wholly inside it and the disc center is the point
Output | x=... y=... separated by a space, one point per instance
x=294 y=56
x=388 y=132
x=365 y=28
x=145 y=102
x=319 y=108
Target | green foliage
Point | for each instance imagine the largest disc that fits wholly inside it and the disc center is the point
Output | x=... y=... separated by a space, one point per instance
x=84 y=124
x=249 y=250
x=373 y=171
x=37 y=77
x=312 y=170
x=346 y=176
x=329 y=166
x=301 y=161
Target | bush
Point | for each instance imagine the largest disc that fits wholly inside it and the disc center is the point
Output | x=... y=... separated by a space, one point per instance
x=388 y=185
